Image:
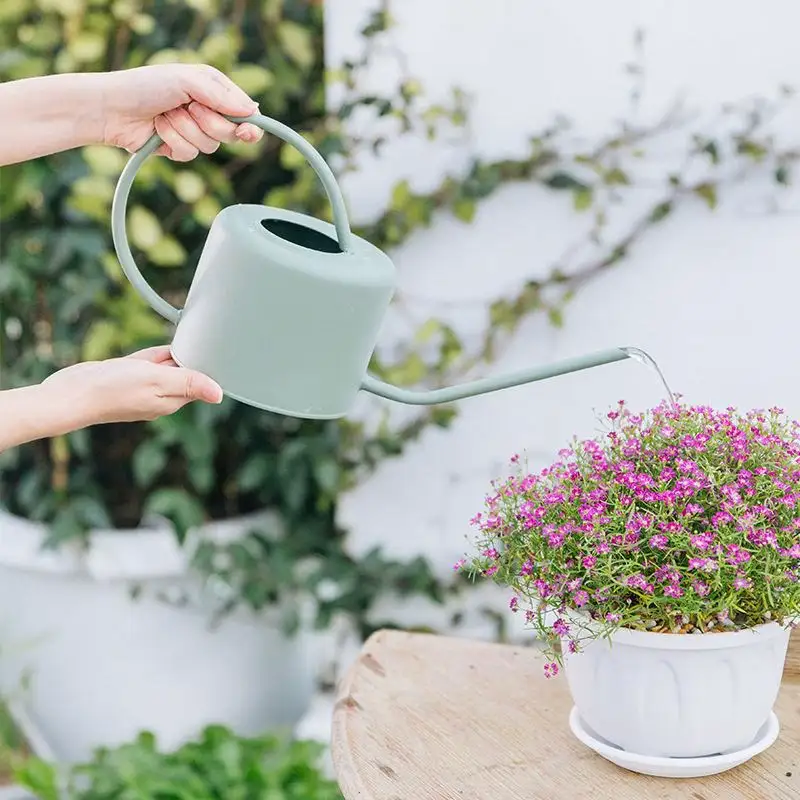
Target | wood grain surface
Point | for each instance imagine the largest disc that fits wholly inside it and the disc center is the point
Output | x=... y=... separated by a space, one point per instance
x=421 y=717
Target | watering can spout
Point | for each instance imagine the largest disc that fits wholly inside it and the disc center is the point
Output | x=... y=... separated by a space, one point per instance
x=494 y=384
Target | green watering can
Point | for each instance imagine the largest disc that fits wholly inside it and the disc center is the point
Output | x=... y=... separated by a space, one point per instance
x=284 y=309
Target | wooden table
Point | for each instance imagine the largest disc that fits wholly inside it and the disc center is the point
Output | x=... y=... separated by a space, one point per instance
x=421 y=717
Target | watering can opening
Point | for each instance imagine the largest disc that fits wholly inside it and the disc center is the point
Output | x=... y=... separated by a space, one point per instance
x=301 y=235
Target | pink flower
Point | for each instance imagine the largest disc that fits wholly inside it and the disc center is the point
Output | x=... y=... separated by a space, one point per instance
x=551 y=670
x=704 y=564
x=560 y=627
x=659 y=541
x=580 y=598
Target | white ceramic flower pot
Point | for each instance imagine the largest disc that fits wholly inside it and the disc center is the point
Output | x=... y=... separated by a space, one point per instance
x=676 y=695
x=103 y=666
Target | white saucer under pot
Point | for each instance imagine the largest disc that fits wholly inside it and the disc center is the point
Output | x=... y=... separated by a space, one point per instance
x=661 y=767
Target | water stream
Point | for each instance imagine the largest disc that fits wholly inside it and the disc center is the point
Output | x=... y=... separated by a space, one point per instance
x=645 y=358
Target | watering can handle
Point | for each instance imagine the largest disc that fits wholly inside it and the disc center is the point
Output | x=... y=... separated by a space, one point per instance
x=119 y=206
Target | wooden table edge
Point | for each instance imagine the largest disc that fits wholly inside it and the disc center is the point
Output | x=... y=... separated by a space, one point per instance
x=345 y=702
x=341 y=753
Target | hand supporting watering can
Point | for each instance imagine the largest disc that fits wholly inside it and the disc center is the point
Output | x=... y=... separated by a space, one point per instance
x=185 y=105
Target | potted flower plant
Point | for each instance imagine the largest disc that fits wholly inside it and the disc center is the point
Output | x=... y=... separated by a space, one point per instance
x=660 y=566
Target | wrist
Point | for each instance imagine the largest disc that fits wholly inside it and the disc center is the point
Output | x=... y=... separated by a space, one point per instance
x=51 y=114
x=83 y=101
x=35 y=412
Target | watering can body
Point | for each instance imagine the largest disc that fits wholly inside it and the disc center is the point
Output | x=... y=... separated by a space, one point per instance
x=276 y=328
x=284 y=309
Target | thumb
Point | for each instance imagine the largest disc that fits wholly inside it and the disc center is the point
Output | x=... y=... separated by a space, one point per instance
x=214 y=90
x=190 y=385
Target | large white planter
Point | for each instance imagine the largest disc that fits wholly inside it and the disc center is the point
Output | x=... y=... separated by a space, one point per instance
x=100 y=666
x=676 y=695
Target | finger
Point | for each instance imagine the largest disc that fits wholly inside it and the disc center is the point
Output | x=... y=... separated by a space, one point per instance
x=218 y=92
x=212 y=123
x=247 y=132
x=179 y=148
x=189 y=385
x=182 y=121
x=155 y=355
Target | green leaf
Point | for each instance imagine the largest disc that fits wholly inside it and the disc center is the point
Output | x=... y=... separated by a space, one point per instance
x=708 y=192
x=87 y=46
x=292 y=158
x=401 y=196
x=220 y=49
x=711 y=149
x=296 y=40
x=205 y=210
x=106 y=161
x=167 y=252
x=178 y=506
x=660 y=212
x=143 y=24
x=254 y=473
x=427 y=331
x=582 y=199
x=563 y=180
x=149 y=460
x=38 y=777
x=616 y=177
x=327 y=473
x=252 y=78
x=189 y=186
x=66 y=526
x=783 y=175
x=752 y=149
x=94 y=186
x=144 y=228
x=464 y=208
x=100 y=341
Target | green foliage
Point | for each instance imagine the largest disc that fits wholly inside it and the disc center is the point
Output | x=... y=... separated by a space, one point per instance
x=218 y=766
x=13 y=747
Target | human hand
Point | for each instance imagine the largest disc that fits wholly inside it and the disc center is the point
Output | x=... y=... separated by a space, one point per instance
x=142 y=386
x=183 y=103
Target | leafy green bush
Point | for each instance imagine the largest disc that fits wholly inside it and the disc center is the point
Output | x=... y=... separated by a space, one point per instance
x=218 y=766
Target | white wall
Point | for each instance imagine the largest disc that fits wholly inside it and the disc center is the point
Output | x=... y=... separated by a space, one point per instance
x=711 y=295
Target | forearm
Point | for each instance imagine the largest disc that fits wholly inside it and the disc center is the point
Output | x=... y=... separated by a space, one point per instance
x=31 y=413
x=41 y=116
